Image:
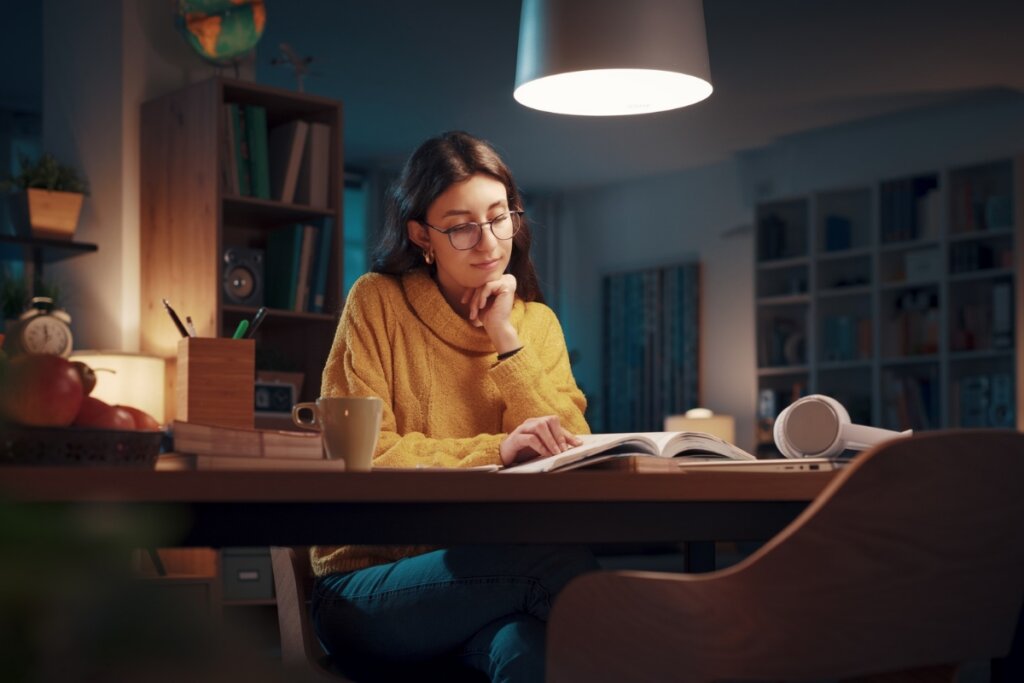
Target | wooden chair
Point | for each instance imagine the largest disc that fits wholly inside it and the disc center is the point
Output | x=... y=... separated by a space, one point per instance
x=910 y=562
x=300 y=649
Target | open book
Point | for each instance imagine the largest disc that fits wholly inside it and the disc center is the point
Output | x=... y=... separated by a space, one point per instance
x=597 y=447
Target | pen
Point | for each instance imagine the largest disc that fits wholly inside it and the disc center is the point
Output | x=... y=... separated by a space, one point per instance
x=240 y=330
x=256 y=320
x=191 y=326
x=175 y=318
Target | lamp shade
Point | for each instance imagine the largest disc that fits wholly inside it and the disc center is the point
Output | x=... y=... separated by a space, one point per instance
x=701 y=420
x=130 y=379
x=611 y=58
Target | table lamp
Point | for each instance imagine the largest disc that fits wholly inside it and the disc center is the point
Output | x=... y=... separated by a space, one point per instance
x=137 y=379
x=703 y=420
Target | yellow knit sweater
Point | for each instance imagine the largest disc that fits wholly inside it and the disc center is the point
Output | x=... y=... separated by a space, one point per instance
x=448 y=402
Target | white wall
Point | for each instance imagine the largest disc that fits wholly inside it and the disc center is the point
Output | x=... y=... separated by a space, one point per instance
x=669 y=218
x=101 y=62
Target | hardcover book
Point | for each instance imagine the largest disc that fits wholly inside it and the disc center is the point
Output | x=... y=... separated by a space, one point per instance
x=598 y=447
x=202 y=439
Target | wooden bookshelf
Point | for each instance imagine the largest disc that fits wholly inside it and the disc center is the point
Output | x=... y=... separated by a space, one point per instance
x=900 y=297
x=190 y=216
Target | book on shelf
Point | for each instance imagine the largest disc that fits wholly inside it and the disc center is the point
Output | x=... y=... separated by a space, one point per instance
x=229 y=167
x=600 y=447
x=301 y=288
x=286 y=143
x=240 y=142
x=236 y=442
x=322 y=263
x=256 y=130
x=193 y=461
x=314 y=172
x=284 y=253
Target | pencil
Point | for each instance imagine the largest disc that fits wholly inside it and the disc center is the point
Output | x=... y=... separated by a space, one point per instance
x=175 y=318
x=191 y=326
x=256 y=320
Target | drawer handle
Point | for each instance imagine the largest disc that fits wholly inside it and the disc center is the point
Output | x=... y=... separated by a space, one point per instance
x=248 y=575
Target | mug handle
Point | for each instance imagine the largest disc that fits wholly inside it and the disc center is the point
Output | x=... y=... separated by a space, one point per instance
x=305 y=424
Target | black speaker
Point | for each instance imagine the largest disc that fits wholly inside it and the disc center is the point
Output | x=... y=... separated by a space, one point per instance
x=243 y=276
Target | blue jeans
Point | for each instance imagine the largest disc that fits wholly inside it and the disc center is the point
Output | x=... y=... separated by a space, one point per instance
x=486 y=606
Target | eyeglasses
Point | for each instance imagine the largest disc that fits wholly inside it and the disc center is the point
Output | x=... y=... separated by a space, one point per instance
x=467 y=235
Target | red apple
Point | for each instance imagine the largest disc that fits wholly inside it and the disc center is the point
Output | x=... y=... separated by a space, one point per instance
x=87 y=376
x=41 y=390
x=101 y=415
x=144 y=422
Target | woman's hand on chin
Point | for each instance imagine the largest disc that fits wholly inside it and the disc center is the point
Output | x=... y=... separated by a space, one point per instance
x=490 y=306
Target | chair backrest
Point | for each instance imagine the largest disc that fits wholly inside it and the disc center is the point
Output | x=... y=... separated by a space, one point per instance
x=293 y=582
x=912 y=557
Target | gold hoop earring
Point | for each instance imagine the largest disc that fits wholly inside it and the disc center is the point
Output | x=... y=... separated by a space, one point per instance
x=428 y=256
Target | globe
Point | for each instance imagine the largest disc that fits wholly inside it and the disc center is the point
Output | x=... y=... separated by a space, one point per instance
x=222 y=31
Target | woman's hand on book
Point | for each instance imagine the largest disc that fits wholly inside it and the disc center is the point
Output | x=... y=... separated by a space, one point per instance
x=537 y=437
x=490 y=306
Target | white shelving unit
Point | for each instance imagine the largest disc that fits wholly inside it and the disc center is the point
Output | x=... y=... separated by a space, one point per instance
x=900 y=298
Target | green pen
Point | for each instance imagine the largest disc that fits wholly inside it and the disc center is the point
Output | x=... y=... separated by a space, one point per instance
x=240 y=330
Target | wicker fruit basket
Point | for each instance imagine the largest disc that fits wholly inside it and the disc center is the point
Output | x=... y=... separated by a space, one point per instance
x=78 y=447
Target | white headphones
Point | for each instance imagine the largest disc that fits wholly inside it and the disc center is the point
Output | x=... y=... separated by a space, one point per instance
x=818 y=426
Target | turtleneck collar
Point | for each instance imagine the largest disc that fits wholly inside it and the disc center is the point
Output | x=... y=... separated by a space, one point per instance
x=431 y=307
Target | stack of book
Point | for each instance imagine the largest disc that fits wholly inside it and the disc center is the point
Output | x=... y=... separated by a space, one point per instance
x=289 y=162
x=208 y=447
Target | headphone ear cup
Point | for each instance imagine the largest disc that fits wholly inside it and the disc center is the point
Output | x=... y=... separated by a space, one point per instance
x=779 y=432
x=811 y=427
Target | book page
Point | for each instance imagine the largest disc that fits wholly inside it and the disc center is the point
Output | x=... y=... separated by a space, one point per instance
x=702 y=444
x=593 y=444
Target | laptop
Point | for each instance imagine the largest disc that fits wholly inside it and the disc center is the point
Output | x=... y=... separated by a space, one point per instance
x=769 y=465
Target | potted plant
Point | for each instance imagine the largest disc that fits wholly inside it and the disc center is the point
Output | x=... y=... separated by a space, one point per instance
x=52 y=196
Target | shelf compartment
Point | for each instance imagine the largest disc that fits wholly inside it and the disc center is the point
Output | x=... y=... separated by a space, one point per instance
x=782 y=230
x=910 y=397
x=910 y=209
x=982 y=391
x=845 y=329
x=849 y=272
x=981 y=315
x=843 y=220
x=992 y=252
x=991 y=274
x=981 y=198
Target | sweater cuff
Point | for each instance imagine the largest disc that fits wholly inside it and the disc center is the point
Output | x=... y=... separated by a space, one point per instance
x=509 y=354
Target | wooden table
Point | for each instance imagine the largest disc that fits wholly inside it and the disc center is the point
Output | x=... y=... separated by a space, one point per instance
x=304 y=508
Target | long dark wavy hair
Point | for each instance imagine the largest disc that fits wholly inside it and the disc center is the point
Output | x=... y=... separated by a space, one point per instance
x=436 y=165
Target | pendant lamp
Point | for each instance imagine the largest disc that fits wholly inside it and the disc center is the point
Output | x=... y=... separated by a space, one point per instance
x=611 y=57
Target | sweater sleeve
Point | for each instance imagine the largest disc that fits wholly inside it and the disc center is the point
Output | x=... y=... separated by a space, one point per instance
x=360 y=364
x=538 y=380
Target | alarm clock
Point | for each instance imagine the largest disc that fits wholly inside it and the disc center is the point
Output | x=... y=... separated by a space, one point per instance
x=43 y=328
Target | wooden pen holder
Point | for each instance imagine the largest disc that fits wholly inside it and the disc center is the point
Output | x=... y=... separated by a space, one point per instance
x=216 y=381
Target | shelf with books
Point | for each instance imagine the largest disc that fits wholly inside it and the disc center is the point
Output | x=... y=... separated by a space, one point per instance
x=843 y=221
x=217 y=250
x=927 y=268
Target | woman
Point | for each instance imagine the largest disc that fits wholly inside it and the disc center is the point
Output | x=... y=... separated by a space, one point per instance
x=450 y=330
